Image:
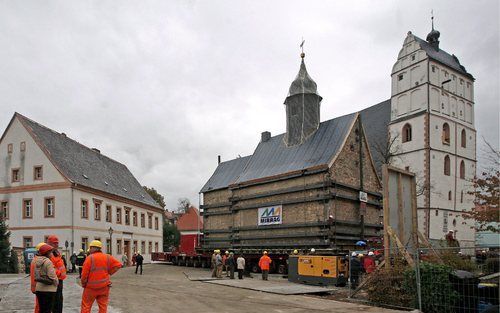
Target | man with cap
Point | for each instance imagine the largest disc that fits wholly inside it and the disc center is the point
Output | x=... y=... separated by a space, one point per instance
x=32 y=274
x=97 y=269
x=80 y=259
x=356 y=268
x=60 y=268
x=264 y=263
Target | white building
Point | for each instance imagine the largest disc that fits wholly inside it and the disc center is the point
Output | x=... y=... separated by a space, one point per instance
x=432 y=122
x=51 y=184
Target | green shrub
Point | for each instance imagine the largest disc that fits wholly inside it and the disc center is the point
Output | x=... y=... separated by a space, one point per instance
x=437 y=292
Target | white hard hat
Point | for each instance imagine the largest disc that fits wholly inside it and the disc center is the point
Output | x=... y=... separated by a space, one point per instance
x=370 y=253
x=354 y=254
x=313 y=250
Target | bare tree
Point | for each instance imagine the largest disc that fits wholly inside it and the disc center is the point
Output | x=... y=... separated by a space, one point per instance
x=183 y=205
x=387 y=150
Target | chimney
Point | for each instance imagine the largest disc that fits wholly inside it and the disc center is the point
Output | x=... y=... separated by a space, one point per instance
x=218 y=159
x=96 y=150
x=265 y=136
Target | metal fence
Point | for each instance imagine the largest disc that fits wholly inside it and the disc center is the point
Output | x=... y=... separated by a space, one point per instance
x=434 y=280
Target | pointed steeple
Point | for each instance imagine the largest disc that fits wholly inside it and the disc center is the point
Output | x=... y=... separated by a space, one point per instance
x=302 y=107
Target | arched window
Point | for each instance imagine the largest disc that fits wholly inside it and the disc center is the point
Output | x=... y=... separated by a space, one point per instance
x=463 y=139
x=446 y=134
x=462 y=169
x=447 y=165
x=461 y=196
x=449 y=195
x=407 y=133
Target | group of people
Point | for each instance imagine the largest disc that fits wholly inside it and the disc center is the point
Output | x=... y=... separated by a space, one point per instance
x=48 y=272
x=228 y=263
x=361 y=264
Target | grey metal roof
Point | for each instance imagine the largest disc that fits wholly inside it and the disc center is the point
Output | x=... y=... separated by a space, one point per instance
x=375 y=120
x=225 y=174
x=87 y=167
x=443 y=57
x=274 y=157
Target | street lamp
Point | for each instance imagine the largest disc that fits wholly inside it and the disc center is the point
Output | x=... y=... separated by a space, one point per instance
x=110 y=231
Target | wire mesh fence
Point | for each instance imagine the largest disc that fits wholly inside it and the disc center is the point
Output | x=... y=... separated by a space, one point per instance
x=433 y=280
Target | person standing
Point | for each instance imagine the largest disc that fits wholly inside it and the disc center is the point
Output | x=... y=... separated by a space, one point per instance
x=124 y=260
x=133 y=258
x=231 y=263
x=213 y=265
x=264 y=263
x=80 y=259
x=46 y=279
x=32 y=274
x=369 y=263
x=72 y=259
x=97 y=269
x=356 y=269
x=138 y=262
x=224 y=263
x=218 y=264
x=241 y=266
x=58 y=262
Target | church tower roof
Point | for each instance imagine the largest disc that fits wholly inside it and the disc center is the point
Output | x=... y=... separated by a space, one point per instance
x=303 y=83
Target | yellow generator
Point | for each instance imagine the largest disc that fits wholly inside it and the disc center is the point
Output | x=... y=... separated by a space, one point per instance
x=320 y=270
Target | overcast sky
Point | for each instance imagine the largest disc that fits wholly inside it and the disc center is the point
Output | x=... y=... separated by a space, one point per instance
x=166 y=86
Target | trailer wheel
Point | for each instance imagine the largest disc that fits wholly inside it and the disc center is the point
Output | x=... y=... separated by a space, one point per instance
x=204 y=264
x=281 y=269
x=175 y=261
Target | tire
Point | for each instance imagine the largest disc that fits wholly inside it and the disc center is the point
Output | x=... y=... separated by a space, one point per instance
x=281 y=269
x=254 y=268
x=204 y=264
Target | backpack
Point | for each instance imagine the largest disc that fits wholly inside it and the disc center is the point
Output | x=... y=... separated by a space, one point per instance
x=44 y=279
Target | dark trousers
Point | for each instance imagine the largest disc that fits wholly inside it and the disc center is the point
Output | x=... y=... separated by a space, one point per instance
x=265 y=274
x=80 y=271
x=45 y=301
x=73 y=267
x=240 y=274
x=354 y=280
x=57 y=306
x=137 y=267
x=231 y=271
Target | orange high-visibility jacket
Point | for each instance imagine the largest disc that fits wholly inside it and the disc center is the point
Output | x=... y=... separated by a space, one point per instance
x=32 y=274
x=264 y=262
x=97 y=269
x=59 y=266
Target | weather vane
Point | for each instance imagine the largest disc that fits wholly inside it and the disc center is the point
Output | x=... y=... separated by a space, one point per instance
x=302 y=55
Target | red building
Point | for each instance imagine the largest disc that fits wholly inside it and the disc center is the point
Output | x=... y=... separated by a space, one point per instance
x=189 y=225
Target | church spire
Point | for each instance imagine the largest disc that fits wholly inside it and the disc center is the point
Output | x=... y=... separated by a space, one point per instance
x=302 y=106
x=433 y=36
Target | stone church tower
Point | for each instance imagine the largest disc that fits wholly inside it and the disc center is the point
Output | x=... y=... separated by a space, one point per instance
x=432 y=119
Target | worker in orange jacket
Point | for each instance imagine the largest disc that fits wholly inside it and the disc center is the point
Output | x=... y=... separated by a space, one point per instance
x=60 y=268
x=97 y=269
x=264 y=263
x=32 y=276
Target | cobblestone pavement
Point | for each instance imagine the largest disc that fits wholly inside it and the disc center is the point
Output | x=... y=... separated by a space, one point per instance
x=165 y=288
x=16 y=296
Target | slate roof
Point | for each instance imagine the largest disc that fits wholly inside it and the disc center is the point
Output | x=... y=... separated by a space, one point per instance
x=225 y=174
x=273 y=157
x=303 y=83
x=443 y=57
x=86 y=167
x=375 y=120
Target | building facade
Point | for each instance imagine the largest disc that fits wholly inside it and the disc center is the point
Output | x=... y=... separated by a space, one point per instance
x=51 y=184
x=432 y=127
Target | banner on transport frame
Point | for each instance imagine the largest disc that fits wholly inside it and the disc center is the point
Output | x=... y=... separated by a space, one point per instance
x=270 y=215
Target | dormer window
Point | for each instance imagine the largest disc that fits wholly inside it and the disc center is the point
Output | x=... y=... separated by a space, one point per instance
x=10 y=147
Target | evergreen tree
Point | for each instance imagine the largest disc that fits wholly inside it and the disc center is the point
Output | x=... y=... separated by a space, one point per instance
x=13 y=262
x=4 y=247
